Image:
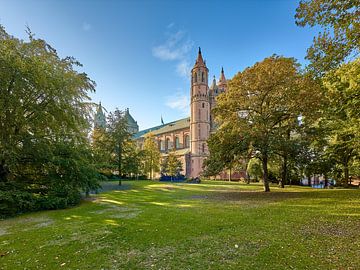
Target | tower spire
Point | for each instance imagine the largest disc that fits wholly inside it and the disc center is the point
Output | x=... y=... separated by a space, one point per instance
x=200 y=61
x=222 y=79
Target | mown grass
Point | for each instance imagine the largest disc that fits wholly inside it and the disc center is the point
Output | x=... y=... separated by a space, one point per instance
x=213 y=225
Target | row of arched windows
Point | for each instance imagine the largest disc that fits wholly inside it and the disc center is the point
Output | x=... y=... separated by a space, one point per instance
x=196 y=77
x=168 y=144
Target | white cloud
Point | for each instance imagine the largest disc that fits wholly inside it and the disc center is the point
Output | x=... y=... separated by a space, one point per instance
x=176 y=48
x=183 y=68
x=86 y=26
x=170 y=25
x=180 y=102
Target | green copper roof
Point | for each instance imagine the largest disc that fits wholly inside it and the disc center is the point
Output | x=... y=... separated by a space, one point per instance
x=169 y=127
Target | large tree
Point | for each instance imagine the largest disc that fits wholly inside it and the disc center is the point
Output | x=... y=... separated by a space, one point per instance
x=119 y=139
x=342 y=115
x=263 y=102
x=44 y=122
x=340 y=39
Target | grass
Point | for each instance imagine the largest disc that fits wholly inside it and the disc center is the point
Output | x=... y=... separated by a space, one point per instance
x=213 y=225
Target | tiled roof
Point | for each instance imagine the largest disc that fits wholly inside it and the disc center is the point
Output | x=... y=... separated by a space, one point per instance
x=169 y=127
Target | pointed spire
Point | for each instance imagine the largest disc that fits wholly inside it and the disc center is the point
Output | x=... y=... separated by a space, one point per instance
x=222 y=79
x=213 y=85
x=200 y=60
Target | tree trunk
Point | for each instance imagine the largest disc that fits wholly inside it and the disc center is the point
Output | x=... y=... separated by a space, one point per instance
x=151 y=169
x=230 y=174
x=283 y=173
x=246 y=171
x=119 y=164
x=346 y=175
x=326 y=181
x=265 y=173
x=248 y=178
x=4 y=172
x=309 y=180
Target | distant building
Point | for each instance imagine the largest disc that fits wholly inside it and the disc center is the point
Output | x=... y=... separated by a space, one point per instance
x=100 y=120
x=133 y=127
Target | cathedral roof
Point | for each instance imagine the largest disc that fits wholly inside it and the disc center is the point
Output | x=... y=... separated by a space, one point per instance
x=166 y=128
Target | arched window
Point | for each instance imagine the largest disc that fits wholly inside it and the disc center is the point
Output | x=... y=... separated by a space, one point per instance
x=202 y=76
x=162 y=145
x=203 y=105
x=177 y=143
x=167 y=144
x=187 y=141
x=203 y=147
x=195 y=77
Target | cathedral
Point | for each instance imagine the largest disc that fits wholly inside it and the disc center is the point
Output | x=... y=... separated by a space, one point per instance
x=185 y=137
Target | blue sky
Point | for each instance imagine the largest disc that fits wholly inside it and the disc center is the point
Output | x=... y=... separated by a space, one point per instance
x=140 y=52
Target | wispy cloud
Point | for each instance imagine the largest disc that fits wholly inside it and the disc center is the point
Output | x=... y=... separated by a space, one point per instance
x=86 y=26
x=176 y=48
x=183 y=68
x=170 y=25
x=179 y=101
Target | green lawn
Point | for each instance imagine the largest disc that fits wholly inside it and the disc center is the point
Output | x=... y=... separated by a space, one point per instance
x=213 y=225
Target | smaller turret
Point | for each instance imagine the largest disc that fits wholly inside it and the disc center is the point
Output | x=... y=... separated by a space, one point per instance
x=222 y=81
x=133 y=127
x=100 y=119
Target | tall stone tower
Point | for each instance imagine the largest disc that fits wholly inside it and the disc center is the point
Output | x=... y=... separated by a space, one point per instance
x=200 y=115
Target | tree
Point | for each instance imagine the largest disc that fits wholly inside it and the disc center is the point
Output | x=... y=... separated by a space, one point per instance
x=340 y=39
x=226 y=151
x=342 y=115
x=151 y=156
x=99 y=148
x=44 y=122
x=171 y=166
x=132 y=160
x=254 y=168
x=118 y=140
x=262 y=101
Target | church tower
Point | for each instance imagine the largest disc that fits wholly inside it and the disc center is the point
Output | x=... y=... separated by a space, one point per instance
x=200 y=115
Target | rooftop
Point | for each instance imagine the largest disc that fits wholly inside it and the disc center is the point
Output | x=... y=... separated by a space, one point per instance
x=169 y=127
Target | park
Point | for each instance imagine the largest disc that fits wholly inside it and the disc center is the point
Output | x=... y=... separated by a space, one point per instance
x=134 y=137
x=212 y=225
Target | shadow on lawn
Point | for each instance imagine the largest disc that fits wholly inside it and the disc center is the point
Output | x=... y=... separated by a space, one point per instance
x=280 y=195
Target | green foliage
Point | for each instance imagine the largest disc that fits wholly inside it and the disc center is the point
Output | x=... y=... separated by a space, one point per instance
x=118 y=142
x=171 y=165
x=262 y=106
x=340 y=39
x=254 y=168
x=151 y=156
x=45 y=160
